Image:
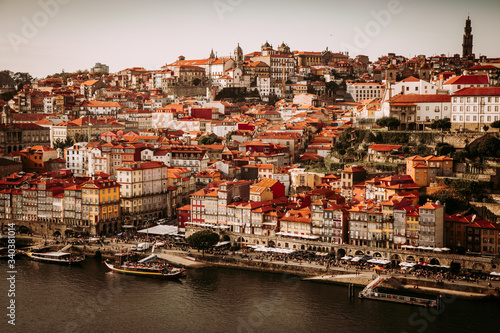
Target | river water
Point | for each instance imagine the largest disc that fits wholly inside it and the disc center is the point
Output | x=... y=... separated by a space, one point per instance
x=88 y=298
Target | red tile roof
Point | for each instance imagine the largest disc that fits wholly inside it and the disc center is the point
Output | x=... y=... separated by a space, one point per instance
x=484 y=91
x=413 y=98
x=468 y=79
x=384 y=147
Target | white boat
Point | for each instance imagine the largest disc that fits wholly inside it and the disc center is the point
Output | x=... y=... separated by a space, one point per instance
x=56 y=257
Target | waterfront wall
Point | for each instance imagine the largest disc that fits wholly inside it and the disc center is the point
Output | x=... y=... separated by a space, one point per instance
x=444 y=285
x=459 y=140
x=396 y=256
x=258 y=265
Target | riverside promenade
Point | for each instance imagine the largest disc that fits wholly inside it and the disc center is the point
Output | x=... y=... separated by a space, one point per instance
x=308 y=271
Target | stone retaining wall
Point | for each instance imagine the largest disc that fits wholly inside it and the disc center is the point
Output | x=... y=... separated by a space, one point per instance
x=259 y=265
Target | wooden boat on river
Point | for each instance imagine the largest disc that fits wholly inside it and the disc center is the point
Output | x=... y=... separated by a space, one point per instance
x=144 y=267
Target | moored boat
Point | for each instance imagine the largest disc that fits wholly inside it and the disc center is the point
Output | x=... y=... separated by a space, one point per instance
x=56 y=257
x=161 y=270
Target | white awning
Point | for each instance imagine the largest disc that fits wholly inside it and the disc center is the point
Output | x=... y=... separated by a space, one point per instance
x=222 y=243
x=296 y=235
x=379 y=261
x=407 y=264
x=160 y=230
x=261 y=248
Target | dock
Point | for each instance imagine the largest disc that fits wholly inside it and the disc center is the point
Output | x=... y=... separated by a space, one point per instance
x=369 y=292
x=66 y=248
x=179 y=260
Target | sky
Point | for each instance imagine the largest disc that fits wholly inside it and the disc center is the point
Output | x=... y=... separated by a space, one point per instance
x=43 y=37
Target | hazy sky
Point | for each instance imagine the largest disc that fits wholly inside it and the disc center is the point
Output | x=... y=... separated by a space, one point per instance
x=46 y=36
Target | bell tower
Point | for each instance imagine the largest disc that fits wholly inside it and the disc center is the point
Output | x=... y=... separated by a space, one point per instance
x=238 y=56
x=6 y=117
x=467 y=43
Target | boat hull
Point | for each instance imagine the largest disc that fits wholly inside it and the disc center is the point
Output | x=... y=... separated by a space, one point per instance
x=33 y=256
x=173 y=275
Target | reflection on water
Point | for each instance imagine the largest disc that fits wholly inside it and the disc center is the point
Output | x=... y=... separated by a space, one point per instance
x=89 y=298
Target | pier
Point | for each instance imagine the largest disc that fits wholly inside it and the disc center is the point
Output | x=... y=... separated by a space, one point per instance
x=369 y=292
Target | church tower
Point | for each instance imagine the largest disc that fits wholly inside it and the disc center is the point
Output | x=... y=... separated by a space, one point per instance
x=6 y=117
x=467 y=44
x=238 y=56
x=424 y=72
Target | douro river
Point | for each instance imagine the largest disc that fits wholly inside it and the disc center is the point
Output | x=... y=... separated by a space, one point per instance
x=89 y=298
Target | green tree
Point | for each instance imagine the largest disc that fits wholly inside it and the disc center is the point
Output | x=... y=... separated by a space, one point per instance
x=209 y=139
x=203 y=240
x=196 y=81
x=489 y=147
x=389 y=122
x=311 y=90
x=79 y=137
x=22 y=78
x=229 y=135
x=460 y=155
x=441 y=124
x=272 y=99
x=63 y=143
x=495 y=124
x=444 y=149
x=6 y=78
x=422 y=149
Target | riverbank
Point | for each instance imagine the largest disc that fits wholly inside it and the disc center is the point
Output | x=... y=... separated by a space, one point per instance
x=341 y=276
x=308 y=271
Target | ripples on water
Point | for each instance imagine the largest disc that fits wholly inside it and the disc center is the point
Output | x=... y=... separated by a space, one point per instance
x=88 y=298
